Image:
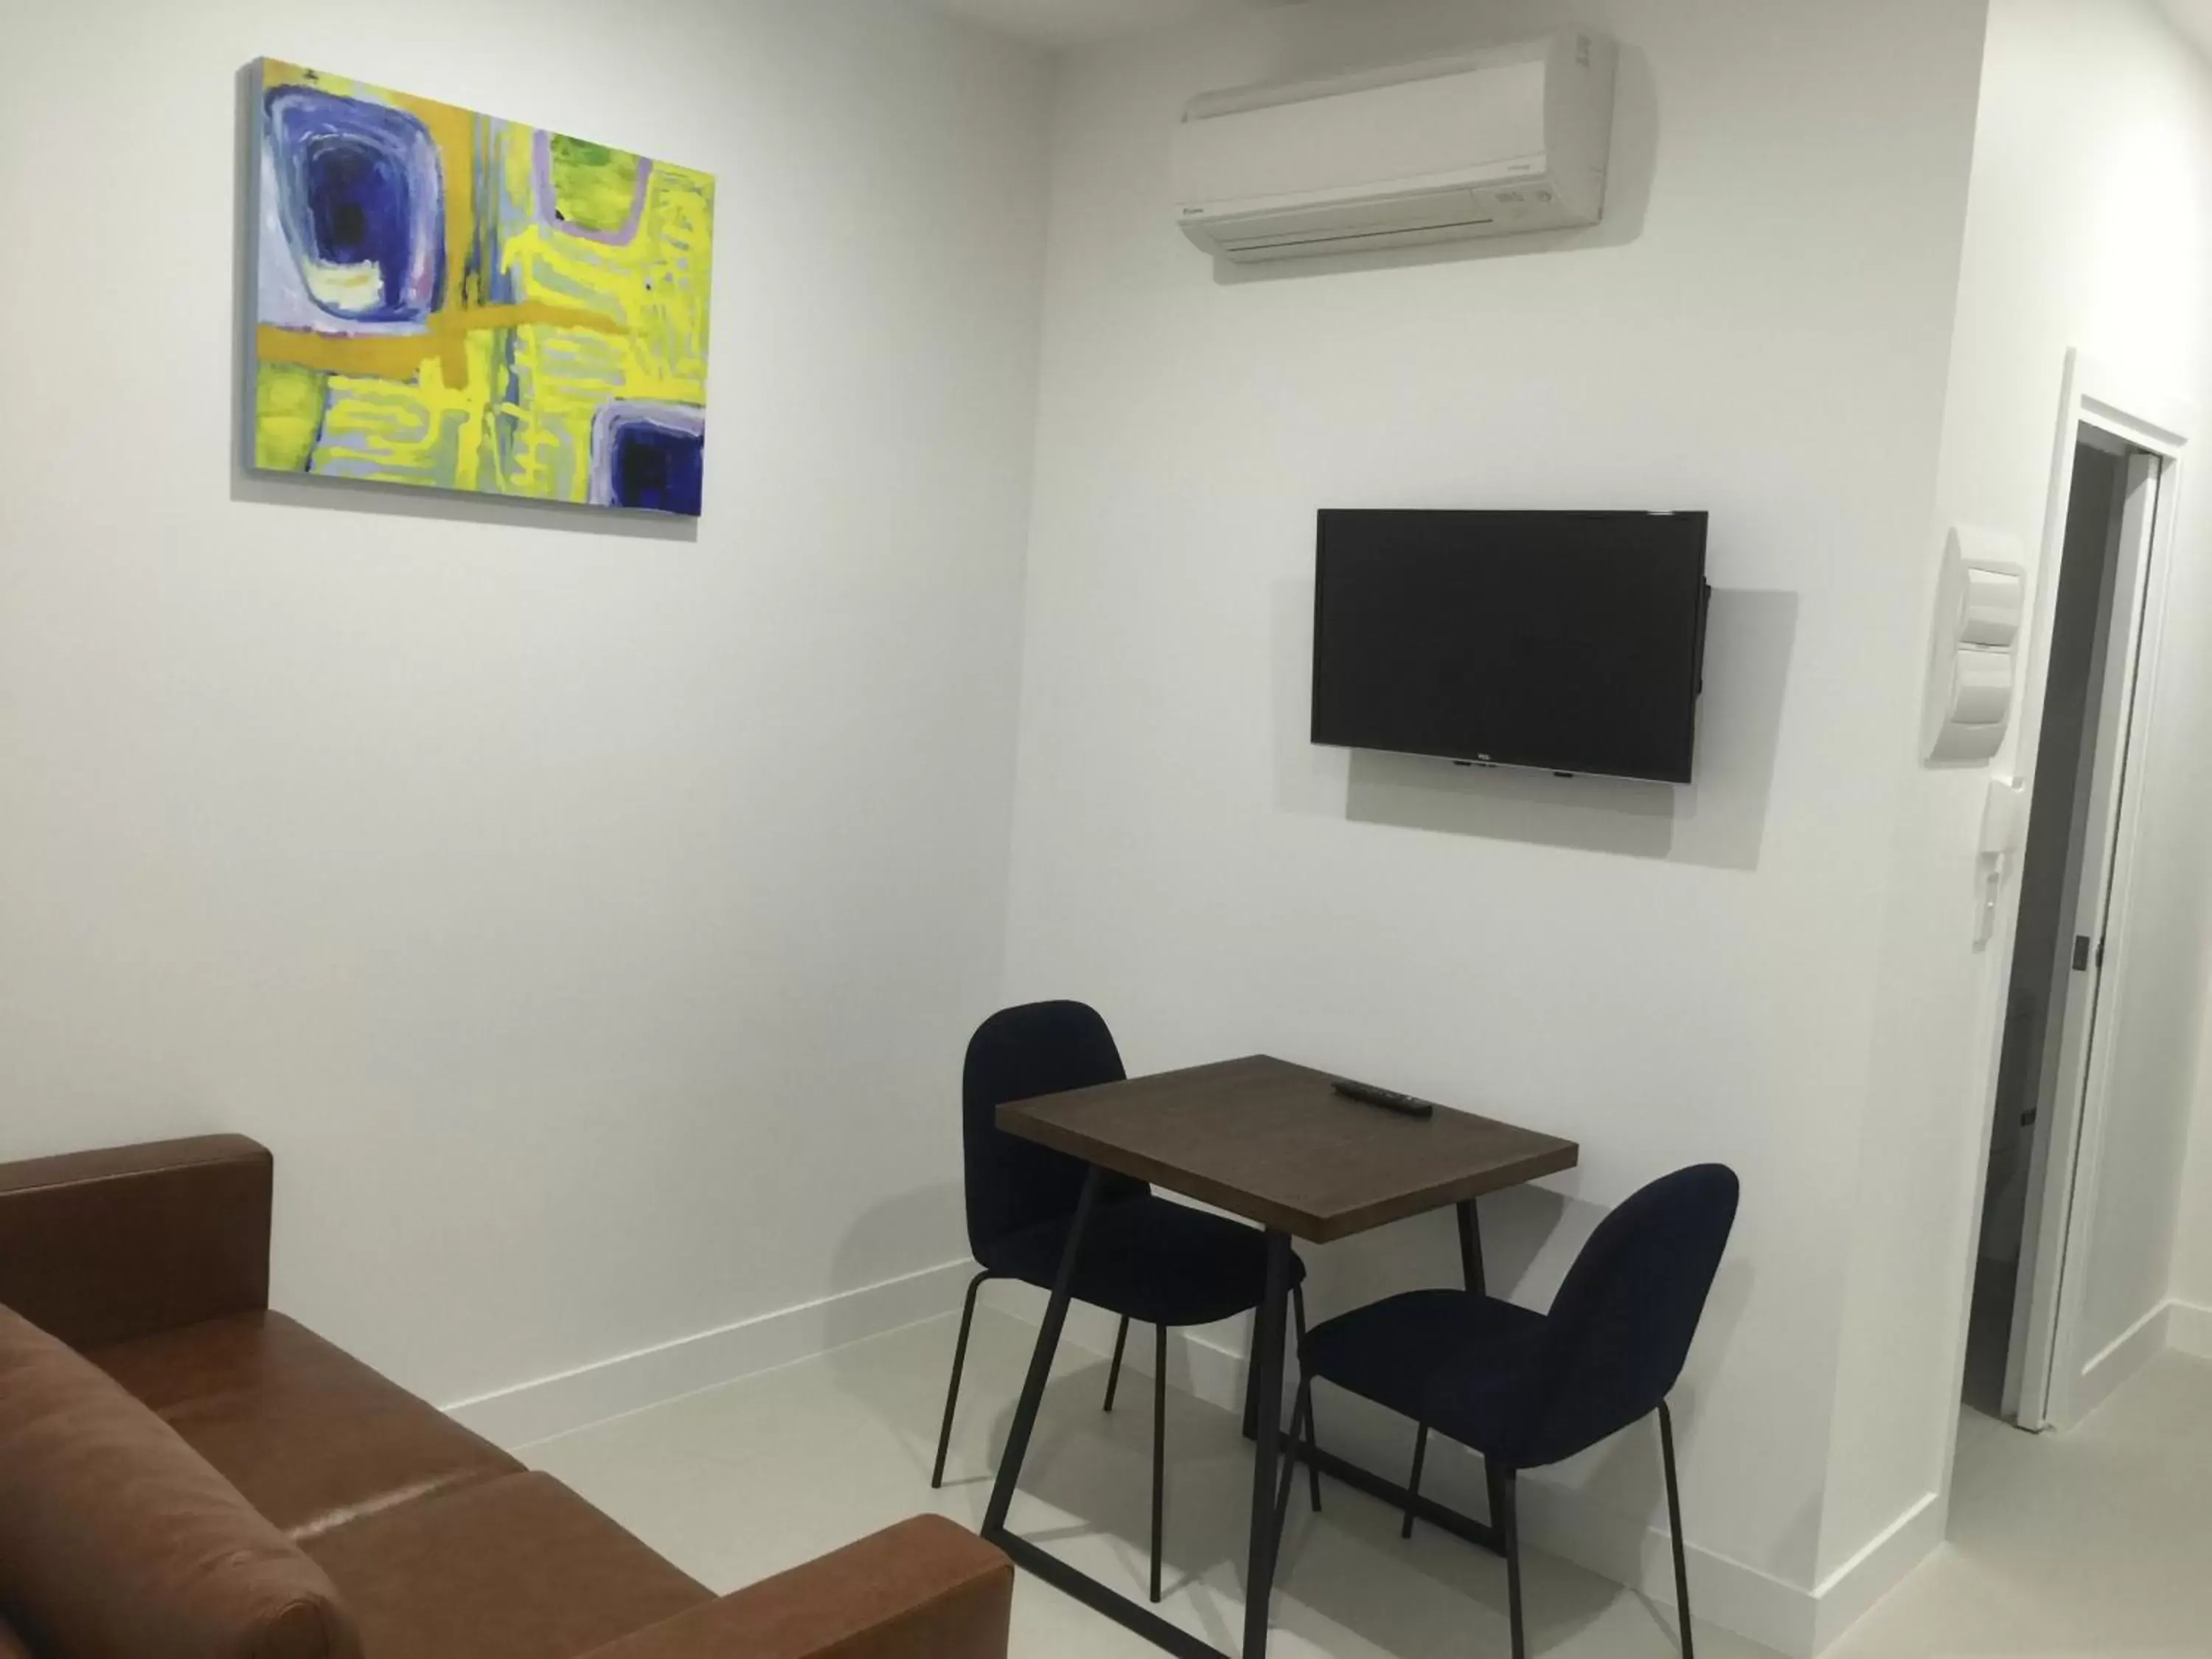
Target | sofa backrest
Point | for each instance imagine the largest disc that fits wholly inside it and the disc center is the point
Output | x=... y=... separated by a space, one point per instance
x=102 y=1247
x=118 y=1542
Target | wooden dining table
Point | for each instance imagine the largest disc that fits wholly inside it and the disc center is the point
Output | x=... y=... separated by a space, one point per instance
x=1278 y=1145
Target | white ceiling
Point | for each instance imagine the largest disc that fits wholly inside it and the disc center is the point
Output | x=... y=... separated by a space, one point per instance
x=1081 y=22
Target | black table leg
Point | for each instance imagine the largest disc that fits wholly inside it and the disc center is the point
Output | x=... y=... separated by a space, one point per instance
x=1047 y=1343
x=1267 y=1368
x=1470 y=1250
x=1471 y=1264
x=1035 y=1559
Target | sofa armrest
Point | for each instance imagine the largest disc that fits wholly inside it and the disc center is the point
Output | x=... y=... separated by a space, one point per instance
x=925 y=1589
x=101 y=1246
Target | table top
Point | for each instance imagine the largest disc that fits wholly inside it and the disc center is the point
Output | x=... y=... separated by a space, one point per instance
x=1276 y=1144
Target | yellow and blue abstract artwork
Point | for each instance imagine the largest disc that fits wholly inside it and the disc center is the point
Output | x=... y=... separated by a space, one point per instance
x=447 y=300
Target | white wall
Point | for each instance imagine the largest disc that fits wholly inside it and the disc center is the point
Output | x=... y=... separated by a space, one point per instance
x=2102 y=108
x=1761 y=329
x=590 y=920
x=2136 y=137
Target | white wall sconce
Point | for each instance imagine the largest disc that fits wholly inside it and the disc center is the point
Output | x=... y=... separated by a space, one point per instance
x=1980 y=611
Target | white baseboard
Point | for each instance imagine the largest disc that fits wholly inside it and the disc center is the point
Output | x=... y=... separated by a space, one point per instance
x=1847 y=1594
x=2189 y=1329
x=2142 y=1342
x=628 y=1382
x=1791 y=1619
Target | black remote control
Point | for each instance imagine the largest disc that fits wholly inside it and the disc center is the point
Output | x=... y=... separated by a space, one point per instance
x=1389 y=1099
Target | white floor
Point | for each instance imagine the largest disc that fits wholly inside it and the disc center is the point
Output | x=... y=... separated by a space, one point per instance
x=2098 y=1544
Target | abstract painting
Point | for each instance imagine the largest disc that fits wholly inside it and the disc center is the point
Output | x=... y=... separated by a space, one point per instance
x=447 y=300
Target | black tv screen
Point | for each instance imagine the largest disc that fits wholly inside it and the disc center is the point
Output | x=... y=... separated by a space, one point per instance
x=1565 y=642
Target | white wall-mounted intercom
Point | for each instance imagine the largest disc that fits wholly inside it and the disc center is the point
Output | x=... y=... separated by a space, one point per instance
x=2004 y=833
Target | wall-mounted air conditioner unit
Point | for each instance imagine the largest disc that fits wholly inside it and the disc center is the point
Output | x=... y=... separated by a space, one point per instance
x=1488 y=144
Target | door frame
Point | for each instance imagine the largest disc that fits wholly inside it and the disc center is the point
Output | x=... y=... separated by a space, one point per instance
x=2062 y=1199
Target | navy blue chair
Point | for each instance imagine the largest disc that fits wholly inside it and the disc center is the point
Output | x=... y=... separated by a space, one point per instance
x=1148 y=1259
x=1527 y=1390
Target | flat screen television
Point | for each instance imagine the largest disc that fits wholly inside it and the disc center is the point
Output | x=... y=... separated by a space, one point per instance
x=1569 y=642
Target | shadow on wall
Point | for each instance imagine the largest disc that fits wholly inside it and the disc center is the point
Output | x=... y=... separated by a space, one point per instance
x=916 y=1232
x=1627 y=194
x=922 y=1230
x=1720 y=821
x=353 y=496
x=1517 y=1226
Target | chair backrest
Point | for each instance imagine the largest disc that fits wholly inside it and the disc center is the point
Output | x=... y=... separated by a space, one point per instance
x=1620 y=1327
x=1043 y=1048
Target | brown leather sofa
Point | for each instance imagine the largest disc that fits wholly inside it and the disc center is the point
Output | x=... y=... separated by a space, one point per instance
x=185 y=1474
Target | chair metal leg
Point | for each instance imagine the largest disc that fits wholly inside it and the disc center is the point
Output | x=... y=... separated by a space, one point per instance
x=1674 y=1525
x=1300 y=1423
x=1414 y=1480
x=1114 y=1376
x=959 y=1361
x=1305 y=1392
x=1491 y=1474
x=1159 y=1445
x=1508 y=1522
